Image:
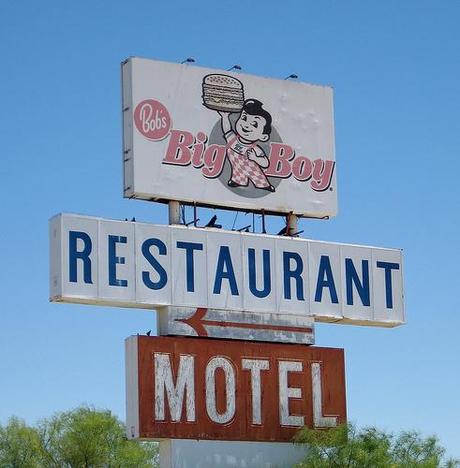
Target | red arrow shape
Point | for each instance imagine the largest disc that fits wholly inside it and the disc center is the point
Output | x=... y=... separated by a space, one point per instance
x=197 y=323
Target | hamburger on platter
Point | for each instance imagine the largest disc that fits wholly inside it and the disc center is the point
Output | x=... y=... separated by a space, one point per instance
x=223 y=93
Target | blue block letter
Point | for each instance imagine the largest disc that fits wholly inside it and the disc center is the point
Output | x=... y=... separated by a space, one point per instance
x=114 y=260
x=225 y=270
x=325 y=280
x=75 y=255
x=388 y=284
x=189 y=266
x=155 y=264
x=352 y=277
x=288 y=274
x=252 y=273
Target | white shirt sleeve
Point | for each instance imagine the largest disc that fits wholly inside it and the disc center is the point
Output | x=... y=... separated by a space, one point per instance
x=230 y=135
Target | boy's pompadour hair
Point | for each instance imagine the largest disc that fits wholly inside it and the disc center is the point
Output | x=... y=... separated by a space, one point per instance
x=254 y=107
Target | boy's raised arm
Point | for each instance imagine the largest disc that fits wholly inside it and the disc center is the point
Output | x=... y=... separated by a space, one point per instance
x=225 y=121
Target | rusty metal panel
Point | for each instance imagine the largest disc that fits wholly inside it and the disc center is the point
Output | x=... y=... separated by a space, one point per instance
x=236 y=325
x=200 y=388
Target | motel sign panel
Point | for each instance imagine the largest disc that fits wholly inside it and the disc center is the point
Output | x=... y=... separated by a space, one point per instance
x=194 y=388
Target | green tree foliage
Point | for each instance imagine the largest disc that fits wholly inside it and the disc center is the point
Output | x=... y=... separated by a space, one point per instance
x=346 y=446
x=81 y=438
x=20 y=445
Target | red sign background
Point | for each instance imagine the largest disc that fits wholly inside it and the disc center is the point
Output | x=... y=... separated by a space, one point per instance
x=241 y=425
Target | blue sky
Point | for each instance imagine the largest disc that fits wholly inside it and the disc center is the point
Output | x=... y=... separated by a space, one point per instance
x=395 y=71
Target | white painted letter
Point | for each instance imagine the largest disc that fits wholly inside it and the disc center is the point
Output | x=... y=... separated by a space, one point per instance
x=211 y=407
x=287 y=392
x=318 y=419
x=256 y=366
x=185 y=383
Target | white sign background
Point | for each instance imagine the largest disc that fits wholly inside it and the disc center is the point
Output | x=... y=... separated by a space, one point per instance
x=130 y=264
x=302 y=118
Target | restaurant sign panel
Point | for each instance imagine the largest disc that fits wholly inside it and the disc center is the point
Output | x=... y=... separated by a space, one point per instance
x=130 y=264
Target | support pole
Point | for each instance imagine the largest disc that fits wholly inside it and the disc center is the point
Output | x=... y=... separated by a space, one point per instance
x=174 y=218
x=195 y=220
x=291 y=221
x=174 y=212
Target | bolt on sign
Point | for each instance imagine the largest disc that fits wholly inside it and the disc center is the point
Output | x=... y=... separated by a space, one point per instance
x=130 y=264
x=199 y=135
x=195 y=388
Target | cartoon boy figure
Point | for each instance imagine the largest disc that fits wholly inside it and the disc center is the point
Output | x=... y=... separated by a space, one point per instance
x=246 y=157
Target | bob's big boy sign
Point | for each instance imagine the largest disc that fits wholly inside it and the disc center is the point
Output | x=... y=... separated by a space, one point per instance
x=218 y=138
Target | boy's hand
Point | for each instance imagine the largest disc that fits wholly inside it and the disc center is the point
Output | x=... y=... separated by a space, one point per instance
x=260 y=159
x=252 y=155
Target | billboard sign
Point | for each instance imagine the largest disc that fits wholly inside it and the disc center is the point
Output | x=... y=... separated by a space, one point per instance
x=215 y=138
x=130 y=264
x=196 y=388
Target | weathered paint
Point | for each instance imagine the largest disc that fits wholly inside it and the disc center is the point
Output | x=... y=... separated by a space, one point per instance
x=236 y=325
x=185 y=384
x=256 y=366
x=228 y=412
x=187 y=453
x=196 y=388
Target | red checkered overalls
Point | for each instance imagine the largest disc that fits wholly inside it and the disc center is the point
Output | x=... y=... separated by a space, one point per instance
x=243 y=169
